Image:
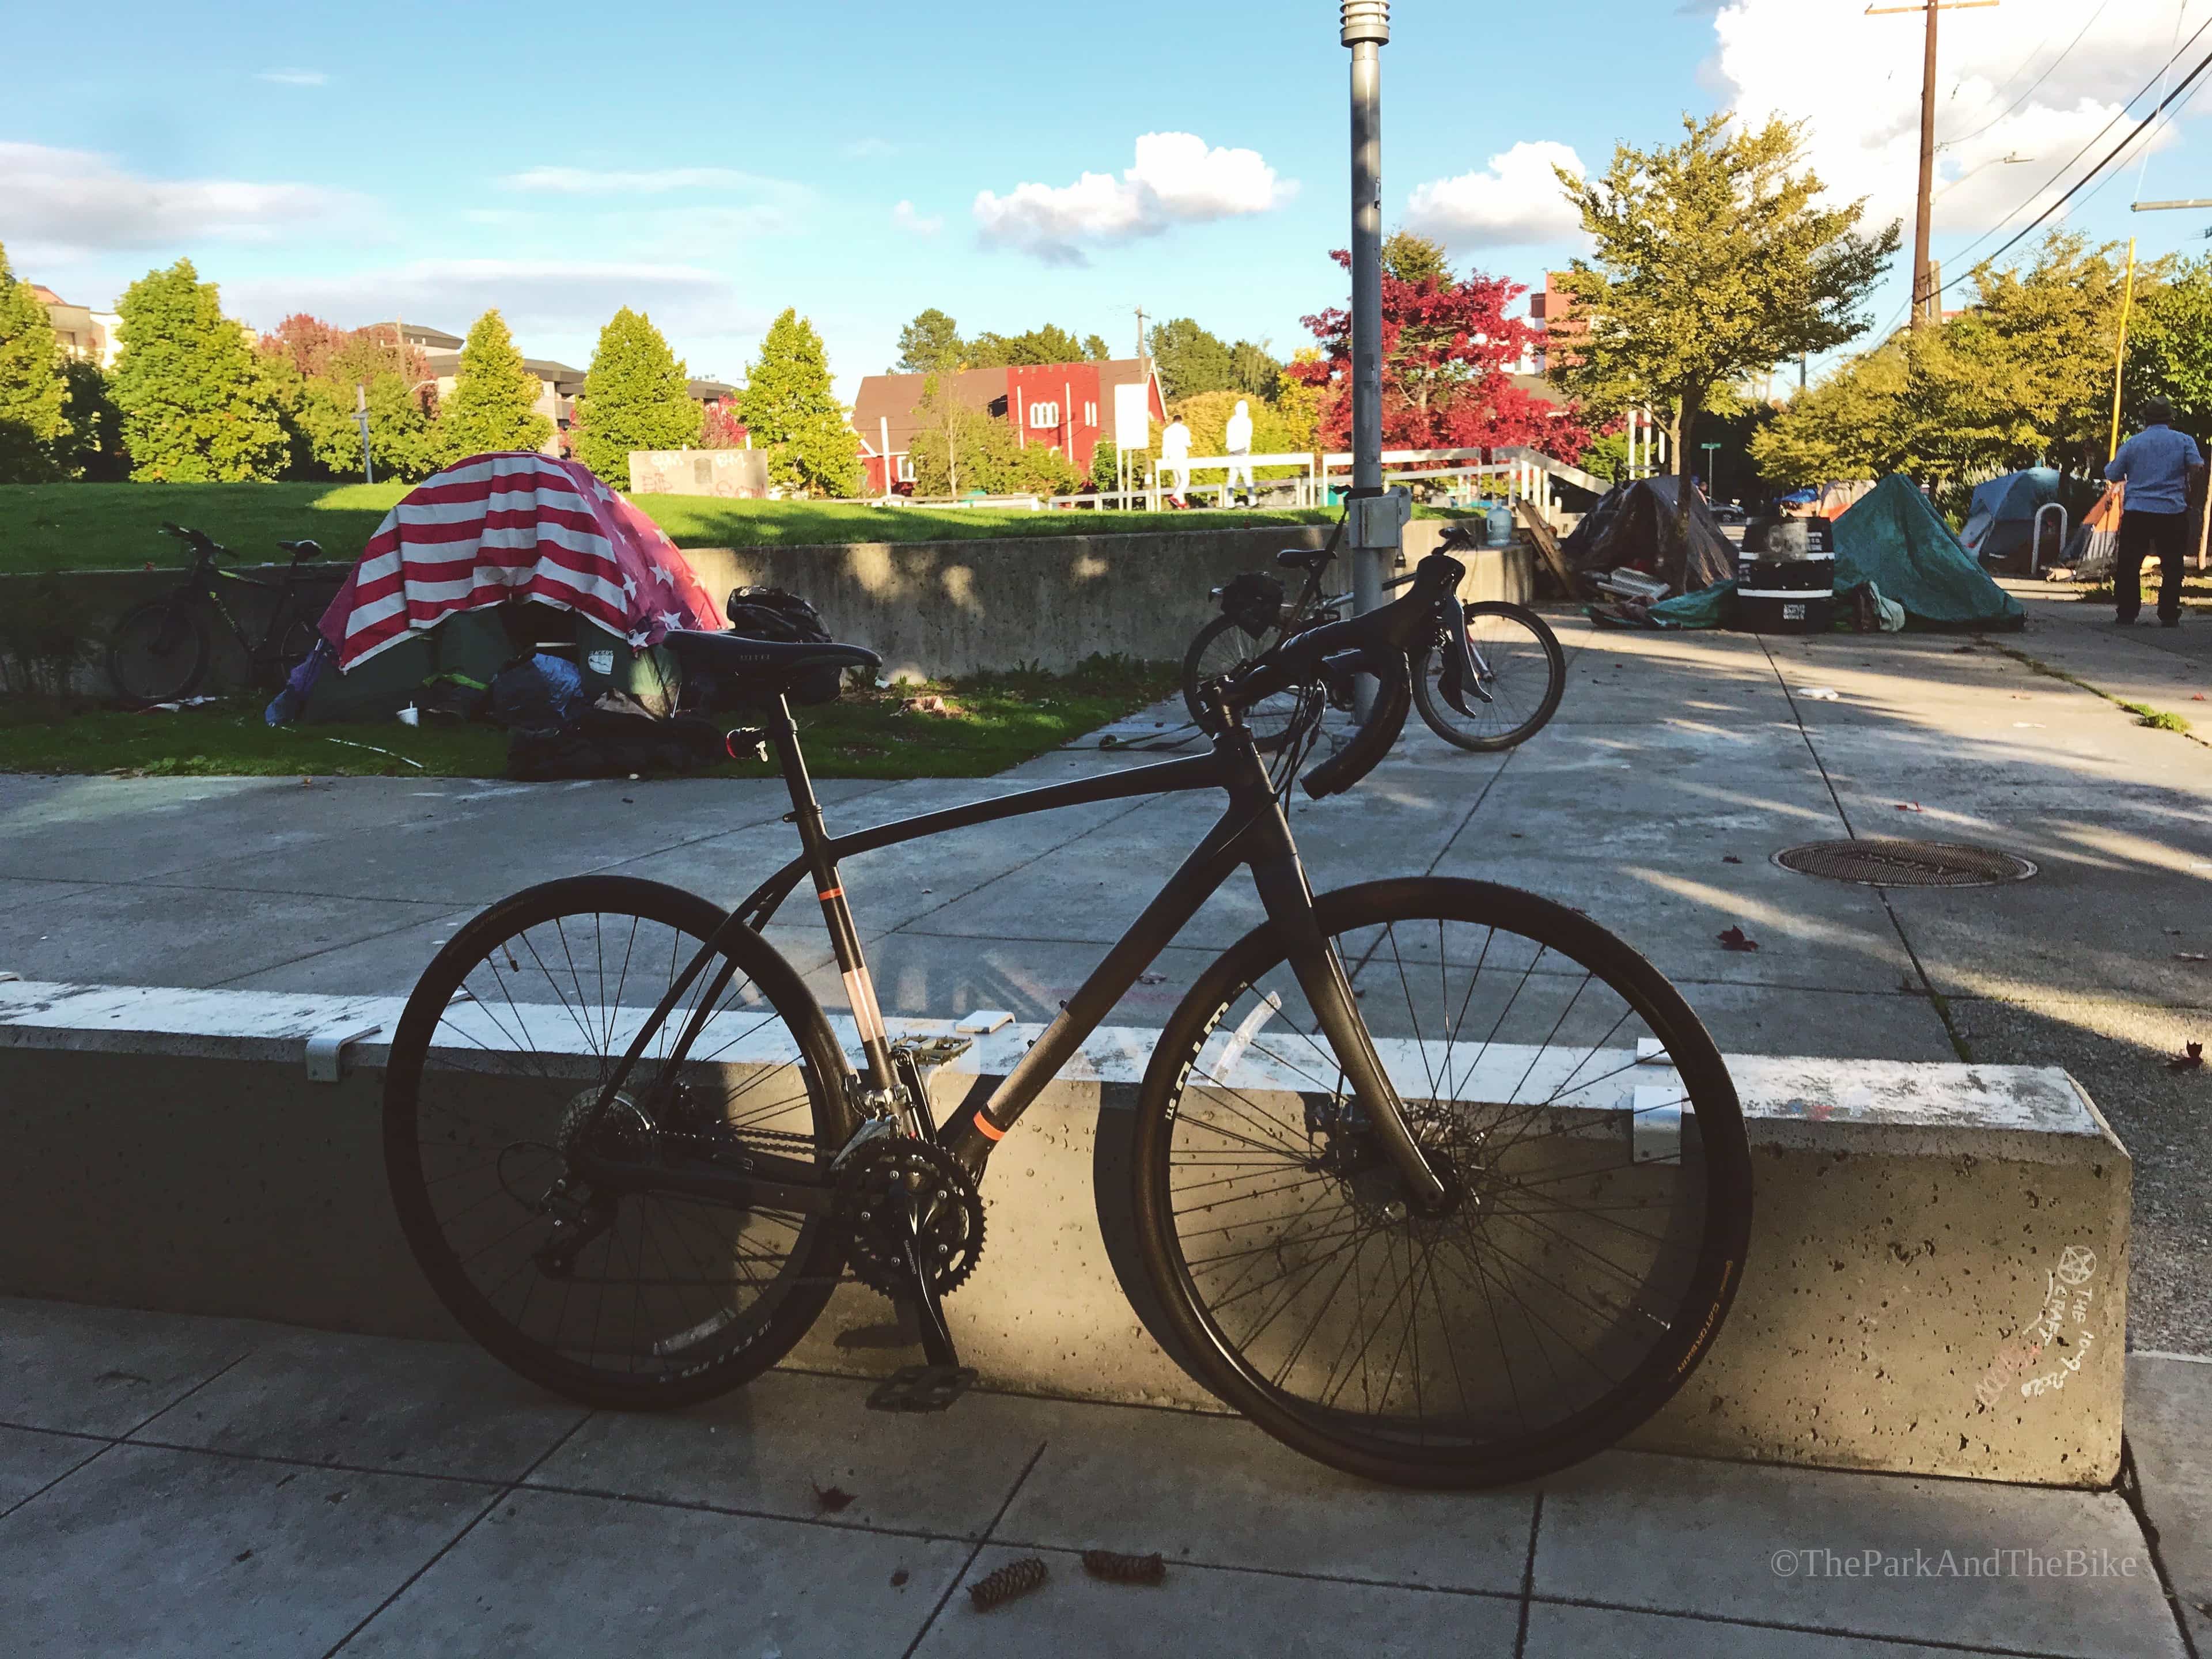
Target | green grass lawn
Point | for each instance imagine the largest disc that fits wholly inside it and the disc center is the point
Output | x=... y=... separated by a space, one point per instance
x=995 y=721
x=116 y=527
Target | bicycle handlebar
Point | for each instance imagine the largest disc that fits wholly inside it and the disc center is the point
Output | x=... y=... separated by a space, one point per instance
x=1383 y=642
x=198 y=540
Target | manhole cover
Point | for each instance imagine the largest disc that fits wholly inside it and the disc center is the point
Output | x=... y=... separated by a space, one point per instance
x=1885 y=863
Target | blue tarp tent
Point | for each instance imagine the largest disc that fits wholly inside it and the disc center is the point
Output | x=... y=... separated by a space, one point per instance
x=2002 y=521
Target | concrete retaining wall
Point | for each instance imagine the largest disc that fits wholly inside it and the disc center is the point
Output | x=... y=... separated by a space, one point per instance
x=939 y=608
x=1936 y=1284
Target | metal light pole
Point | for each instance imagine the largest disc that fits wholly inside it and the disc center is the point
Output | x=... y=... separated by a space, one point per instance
x=1366 y=30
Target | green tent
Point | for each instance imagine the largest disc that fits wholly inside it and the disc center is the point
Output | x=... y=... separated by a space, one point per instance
x=1895 y=540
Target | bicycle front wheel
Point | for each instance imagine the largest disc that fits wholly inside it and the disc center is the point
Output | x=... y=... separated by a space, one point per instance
x=1600 y=1191
x=1518 y=663
x=1220 y=647
x=158 y=653
x=630 y=1299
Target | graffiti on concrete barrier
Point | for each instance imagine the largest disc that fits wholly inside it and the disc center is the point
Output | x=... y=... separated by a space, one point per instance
x=2048 y=1355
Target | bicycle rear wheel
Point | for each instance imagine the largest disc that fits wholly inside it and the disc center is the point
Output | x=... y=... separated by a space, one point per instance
x=1602 y=1201
x=649 y=1299
x=157 y=652
x=1518 y=663
x=1220 y=647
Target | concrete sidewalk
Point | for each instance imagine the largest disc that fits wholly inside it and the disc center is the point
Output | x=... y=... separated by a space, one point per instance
x=184 y=1487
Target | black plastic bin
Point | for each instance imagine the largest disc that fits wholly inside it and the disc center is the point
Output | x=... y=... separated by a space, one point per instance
x=1785 y=610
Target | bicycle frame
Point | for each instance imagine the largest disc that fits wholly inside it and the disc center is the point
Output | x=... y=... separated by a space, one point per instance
x=1251 y=831
x=199 y=584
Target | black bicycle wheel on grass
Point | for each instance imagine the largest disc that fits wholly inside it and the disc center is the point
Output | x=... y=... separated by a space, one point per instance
x=1219 y=647
x=494 y=1076
x=1603 y=1197
x=157 y=652
x=1520 y=666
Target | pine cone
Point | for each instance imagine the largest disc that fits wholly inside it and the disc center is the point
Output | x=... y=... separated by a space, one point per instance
x=1015 y=1578
x=1125 y=1568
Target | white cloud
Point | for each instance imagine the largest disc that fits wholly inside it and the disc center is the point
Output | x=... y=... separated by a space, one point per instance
x=871 y=149
x=1176 y=180
x=1861 y=98
x=1516 y=202
x=568 y=298
x=62 y=204
x=294 y=77
x=907 y=217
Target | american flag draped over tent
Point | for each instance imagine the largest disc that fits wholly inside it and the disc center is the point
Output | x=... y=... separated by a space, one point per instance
x=516 y=527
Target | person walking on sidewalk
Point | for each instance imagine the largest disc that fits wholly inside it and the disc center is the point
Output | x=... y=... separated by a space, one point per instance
x=2164 y=471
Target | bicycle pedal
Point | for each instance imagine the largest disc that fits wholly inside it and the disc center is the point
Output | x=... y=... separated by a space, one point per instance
x=922 y=1388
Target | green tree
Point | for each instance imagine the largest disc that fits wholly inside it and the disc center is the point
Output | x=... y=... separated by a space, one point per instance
x=1413 y=258
x=331 y=371
x=1049 y=344
x=199 y=405
x=1190 y=360
x=1254 y=370
x=1713 y=262
x=793 y=413
x=2169 y=349
x=33 y=396
x=960 y=450
x=1095 y=349
x=931 y=344
x=495 y=401
x=635 y=397
x=93 y=449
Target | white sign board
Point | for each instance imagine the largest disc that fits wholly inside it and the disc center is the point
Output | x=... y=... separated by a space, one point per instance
x=1133 y=415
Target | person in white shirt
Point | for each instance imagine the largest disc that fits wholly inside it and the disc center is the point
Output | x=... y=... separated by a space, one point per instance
x=1238 y=445
x=1175 y=459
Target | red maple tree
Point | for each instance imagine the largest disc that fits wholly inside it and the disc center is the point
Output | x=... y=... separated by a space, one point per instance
x=1446 y=347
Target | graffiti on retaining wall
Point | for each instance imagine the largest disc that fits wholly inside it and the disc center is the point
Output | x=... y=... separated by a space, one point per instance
x=2049 y=1354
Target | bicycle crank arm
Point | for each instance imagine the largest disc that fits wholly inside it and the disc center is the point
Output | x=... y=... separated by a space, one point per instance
x=801 y=1193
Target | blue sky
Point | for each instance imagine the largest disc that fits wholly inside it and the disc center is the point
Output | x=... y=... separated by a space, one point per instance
x=713 y=164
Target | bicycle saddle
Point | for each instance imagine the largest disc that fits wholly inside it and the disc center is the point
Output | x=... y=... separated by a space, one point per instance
x=769 y=666
x=1305 y=558
x=301 y=549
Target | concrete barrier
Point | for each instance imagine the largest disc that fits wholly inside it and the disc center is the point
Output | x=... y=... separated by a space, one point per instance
x=939 y=608
x=1936 y=1283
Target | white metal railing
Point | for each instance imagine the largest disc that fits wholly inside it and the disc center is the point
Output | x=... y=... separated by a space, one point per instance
x=1305 y=490
x=2035 y=535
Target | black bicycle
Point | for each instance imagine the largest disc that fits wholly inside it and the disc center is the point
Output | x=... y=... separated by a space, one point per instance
x=1438 y=1182
x=159 y=651
x=1514 y=672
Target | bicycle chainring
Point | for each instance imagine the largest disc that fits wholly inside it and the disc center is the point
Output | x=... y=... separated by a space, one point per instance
x=895 y=1187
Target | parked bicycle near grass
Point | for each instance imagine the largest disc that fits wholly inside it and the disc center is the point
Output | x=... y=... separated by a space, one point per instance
x=1514 y=671
x=1437 y=1181
x=161 y=651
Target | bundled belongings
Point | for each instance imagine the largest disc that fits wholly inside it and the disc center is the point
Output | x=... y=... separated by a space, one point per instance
x=2094 y=544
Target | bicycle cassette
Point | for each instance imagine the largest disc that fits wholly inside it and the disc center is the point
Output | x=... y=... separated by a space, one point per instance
x=897 y=1188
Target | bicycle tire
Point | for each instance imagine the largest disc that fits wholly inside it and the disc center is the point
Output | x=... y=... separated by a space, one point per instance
x=158 y=653
x=293 y=643
x=1214 y=1151
x=1216 y=649
x=1513 y=628
x=450 y=1118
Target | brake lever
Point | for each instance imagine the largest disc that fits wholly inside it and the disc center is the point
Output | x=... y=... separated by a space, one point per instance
x=1459 y=675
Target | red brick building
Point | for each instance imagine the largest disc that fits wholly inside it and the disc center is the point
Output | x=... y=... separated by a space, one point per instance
x=1068 y=407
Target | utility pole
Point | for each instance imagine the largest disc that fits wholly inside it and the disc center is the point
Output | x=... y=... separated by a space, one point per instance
x=360 y=420
x=1366 y=30
x=2120 y=359
x=2204 y=506
x=1926 y=307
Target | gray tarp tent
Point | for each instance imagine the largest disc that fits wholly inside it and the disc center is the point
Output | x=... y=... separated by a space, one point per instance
x=1633 y=525
x=1897 y=541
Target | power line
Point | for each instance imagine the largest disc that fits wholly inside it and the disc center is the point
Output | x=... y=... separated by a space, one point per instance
x=2203 y=63
x=1955 y=142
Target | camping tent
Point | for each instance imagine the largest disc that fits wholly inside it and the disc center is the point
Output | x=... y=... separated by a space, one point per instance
x=1827 y=500
x=2001 y=523
x=520 y=525
x=1896 y=540
x=2095 y=541
x=1632 y=526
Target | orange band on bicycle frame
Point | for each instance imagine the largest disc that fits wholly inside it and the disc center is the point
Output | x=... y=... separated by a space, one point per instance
x=835 y=892
x=990 y=1131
